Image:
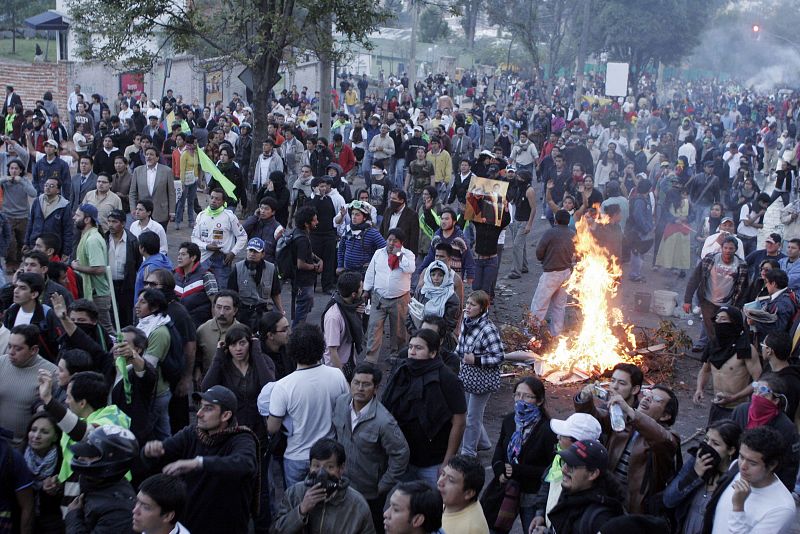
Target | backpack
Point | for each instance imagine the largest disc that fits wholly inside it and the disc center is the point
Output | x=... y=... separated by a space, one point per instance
x=286 y=256
x=173 y=365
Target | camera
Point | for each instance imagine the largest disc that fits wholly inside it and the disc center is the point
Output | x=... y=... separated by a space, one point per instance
x=329 y=483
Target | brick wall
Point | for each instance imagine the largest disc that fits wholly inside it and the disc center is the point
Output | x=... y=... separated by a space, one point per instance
x=30 y=81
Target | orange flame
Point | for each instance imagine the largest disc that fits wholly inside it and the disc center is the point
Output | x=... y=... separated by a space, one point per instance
x=604 y=339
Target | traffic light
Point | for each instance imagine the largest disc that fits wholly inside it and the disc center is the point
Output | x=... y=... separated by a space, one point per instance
x=756 y=31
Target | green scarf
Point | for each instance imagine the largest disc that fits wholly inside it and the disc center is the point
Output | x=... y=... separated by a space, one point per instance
x=554 y=475
x=215 y=212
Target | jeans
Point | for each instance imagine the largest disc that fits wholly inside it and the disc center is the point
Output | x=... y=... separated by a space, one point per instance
x=443 y=191
x=160 y=414
x=396 y=310
x=216 y=264
x=519 y=242
x=400 y=173
x=302 y=303
x=104 y=312
x=294 y=471
x=475 y=436
x=486 y=274
x=187 y=198
x=366 y=166
x=550 y=294
x=429 y=475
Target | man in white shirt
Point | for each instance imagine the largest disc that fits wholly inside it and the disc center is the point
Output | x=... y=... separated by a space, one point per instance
x=160 y=502
x=386 y=285
x=755 y=501
x=307 y=396
x=220 y=236
x=713 y=243
x=143 y=214
x=688 y=149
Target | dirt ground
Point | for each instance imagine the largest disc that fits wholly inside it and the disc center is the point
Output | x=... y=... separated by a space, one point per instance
x=512 y=301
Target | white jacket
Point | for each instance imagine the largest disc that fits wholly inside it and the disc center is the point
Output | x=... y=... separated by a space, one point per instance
x=225 y=229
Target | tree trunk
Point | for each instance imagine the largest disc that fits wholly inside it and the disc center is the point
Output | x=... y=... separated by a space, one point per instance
x=581 y=63
x=412 y=60
x=265 y=76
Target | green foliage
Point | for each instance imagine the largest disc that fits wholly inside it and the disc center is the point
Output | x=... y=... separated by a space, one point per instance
x=644 y=33
x=432 y=27
x=251 y=32
x=21 y=10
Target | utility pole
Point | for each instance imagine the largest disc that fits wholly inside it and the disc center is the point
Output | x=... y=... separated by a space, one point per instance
x=582 y=45
x=412 y=61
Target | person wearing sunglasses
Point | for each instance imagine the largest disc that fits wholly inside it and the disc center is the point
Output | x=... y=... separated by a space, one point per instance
x=642 y=455
x=766 y=409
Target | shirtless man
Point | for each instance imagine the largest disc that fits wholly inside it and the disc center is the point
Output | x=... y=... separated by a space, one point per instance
x=732 y=371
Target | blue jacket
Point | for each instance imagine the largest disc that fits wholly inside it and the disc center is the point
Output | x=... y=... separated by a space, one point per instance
x=156 y=261
x=44 y=170
x=59 y=222
x=355 y=252
x=792 y=271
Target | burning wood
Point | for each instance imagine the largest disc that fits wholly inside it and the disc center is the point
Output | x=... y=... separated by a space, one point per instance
x=603 y=339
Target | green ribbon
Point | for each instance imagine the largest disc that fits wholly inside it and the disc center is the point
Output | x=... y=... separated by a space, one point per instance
x=122 y=368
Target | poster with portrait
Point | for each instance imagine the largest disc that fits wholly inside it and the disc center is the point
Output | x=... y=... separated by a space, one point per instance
x=485 y=200
x=132 y=81
x=213 y=91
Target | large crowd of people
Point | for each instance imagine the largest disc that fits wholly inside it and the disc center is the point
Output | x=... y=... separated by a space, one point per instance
x=149 y=388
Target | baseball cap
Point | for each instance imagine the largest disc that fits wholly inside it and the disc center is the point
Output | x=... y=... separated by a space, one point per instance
x=577 y=426
x=89 y=211
x=51 y=142
x=219 y=395
x=588 y=453
x=727 y=218
x=256 y=244
x=774 y=238
x=417 y=128
x=665 y=163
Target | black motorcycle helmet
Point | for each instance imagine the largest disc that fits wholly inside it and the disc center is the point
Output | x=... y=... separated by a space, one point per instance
x=107 y=453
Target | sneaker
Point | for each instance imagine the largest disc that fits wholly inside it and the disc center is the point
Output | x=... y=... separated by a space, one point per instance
x=177 y=226
x=696 y=310
x=513 y=276
x=525 y=271
x=543 y=217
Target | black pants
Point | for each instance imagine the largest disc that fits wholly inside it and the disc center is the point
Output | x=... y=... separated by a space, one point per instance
x=376 y=510
x=178 y=412
x=124 y=303
x=324 y=246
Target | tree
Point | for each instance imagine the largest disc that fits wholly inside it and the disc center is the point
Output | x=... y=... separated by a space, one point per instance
x=469 y=10
x=645 y=33
x=258 y=34
x=432 y=27
x=520 y=18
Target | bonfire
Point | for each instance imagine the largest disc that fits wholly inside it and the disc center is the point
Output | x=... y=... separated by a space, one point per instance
x=602 y=339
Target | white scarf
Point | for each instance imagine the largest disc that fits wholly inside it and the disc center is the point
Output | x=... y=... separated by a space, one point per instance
x=151 y=322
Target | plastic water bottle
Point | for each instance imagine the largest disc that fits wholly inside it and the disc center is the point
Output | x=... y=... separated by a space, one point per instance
x=617 y=419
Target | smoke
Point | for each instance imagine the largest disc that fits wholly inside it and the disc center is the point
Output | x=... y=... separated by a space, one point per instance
x=766 y=64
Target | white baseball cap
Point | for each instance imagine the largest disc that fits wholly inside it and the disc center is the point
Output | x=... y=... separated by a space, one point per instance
x=578 y=426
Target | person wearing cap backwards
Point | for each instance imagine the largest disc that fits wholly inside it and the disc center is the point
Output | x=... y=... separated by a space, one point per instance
x=91 y=261
x=590 y=497
x=50 y=165
x=218 y=461
x=257 y=282
x=713 y=243
x=771 y=250
x=577 y=427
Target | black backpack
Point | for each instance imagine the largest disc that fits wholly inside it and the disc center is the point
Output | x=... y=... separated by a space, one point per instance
x=173 y=366
x=286 y=255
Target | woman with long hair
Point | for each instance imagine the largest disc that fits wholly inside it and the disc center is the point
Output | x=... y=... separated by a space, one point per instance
x=524 y=452
x=690 y=491
x=43 y=457
x=240 y=366
x=480 y=350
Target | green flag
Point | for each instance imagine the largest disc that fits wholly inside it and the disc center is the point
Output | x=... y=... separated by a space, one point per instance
x=208 y=166
x=185 y=127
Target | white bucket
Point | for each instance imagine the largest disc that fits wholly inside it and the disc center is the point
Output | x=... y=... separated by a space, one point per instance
x=664 y=302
